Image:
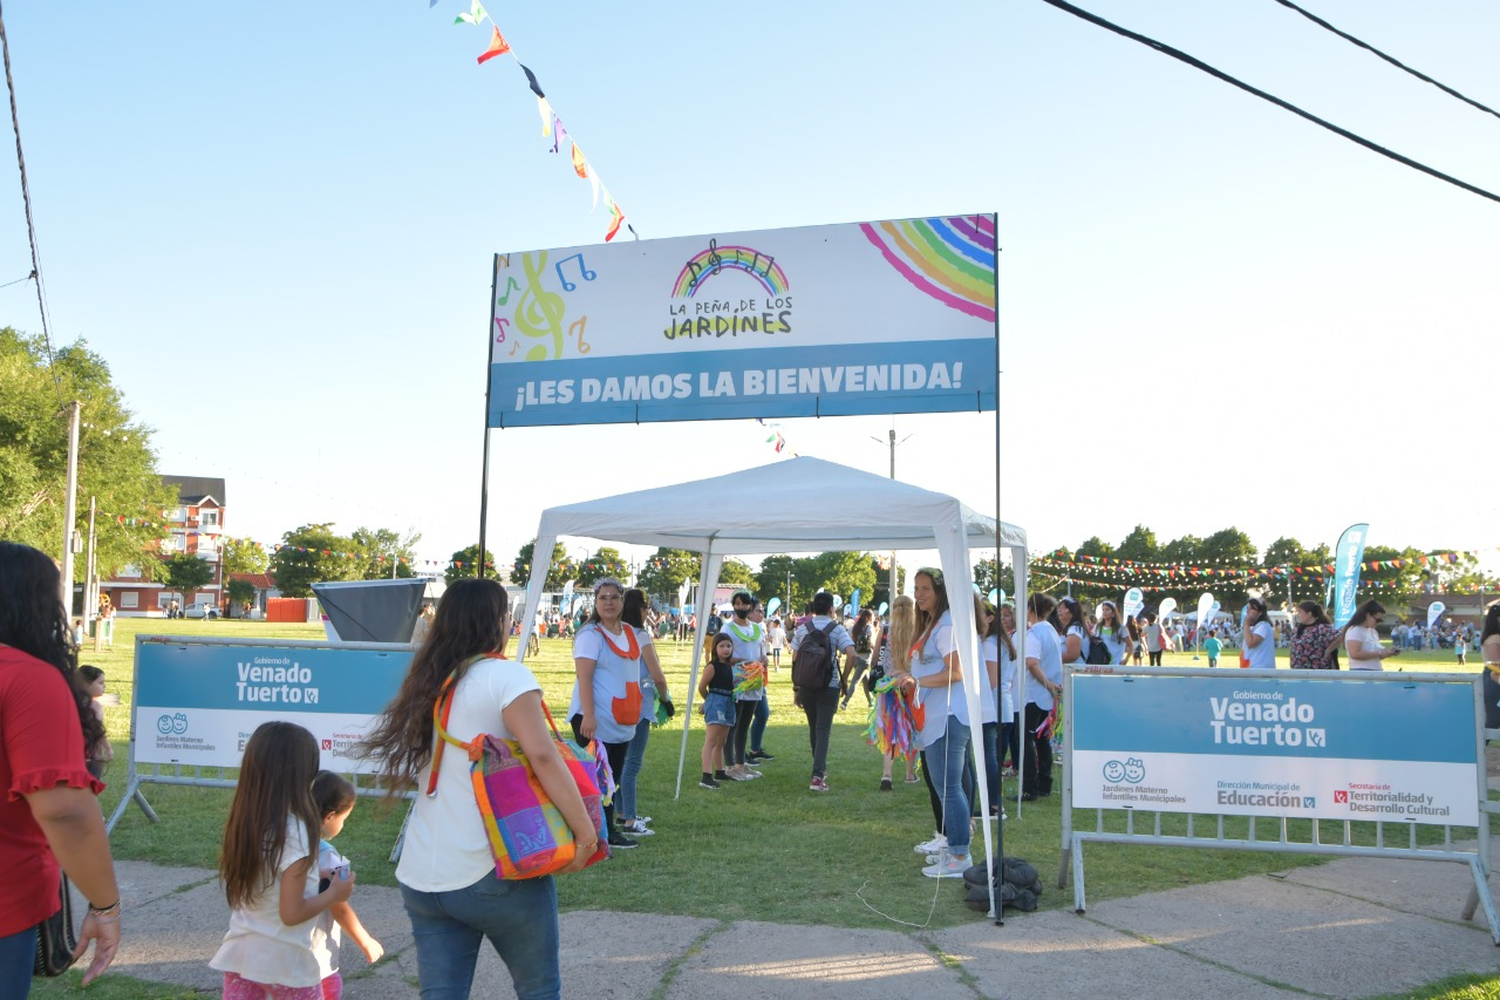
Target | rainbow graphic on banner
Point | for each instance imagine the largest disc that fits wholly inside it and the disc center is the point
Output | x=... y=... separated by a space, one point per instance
x=716 y=259
x=951 y=259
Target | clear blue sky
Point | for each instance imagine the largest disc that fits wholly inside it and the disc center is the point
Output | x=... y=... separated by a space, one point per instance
x=276 y=222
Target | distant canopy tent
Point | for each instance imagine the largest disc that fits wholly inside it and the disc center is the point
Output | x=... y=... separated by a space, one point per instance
x=800 y=505
x=372 y=610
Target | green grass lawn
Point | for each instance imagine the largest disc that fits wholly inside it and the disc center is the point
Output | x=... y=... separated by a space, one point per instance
x=798 y=857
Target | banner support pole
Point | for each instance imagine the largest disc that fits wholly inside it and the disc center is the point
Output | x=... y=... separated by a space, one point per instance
x=484 y=475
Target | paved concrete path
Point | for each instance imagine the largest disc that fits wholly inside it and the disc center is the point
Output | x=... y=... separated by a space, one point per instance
x=1350 y=928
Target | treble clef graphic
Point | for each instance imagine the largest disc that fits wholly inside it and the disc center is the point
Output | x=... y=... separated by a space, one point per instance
x=541 y=312
x=714 y=260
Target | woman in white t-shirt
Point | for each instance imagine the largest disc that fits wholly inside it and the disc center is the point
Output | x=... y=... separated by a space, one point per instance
x=452 y=894
x=1044 y=679
x=1073 y=632
x=1260 y=641
x=1362 y=641
x=1112 y=632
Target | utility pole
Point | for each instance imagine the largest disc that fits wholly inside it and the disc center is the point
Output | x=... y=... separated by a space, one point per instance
x=91 y=563
x=893 y=443
x=70 y=508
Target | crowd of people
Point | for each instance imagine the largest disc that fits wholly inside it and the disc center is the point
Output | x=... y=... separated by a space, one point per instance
x=289 y=889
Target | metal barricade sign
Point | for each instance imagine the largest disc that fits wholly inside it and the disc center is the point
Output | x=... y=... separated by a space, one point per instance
x=1333 y=749
x=1263 y=744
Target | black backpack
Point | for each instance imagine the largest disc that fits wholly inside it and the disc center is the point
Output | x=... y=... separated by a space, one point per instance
x=812 y=667
x=1098 y=653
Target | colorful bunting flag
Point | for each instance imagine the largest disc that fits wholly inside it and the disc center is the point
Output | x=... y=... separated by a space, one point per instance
x=498 y=46
x=536 y=88
x=580 y=165
x=615 y=218
x=475 y=15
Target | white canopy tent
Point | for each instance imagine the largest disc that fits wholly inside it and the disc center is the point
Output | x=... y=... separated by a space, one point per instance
x=799 y=505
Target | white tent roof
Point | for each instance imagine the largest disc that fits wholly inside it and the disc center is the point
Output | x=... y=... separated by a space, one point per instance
x=799 y=505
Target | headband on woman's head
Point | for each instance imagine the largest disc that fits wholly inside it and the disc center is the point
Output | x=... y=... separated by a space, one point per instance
x=608 y=581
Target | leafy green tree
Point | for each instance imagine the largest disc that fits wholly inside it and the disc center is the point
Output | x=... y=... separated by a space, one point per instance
x=880 y=565
x=312 y=554
x=1230 y=546
x=605 y=562
x=1096 y=547
x=771 y=578
x=378 y=550
x=116 y=465
x=521 y=571
x=185 y=573
x=1139 y=545
x=666 y=572
x=1285 y=552
x=837 y=572
x=465 y=562
x=734 y=573
x=986 y=579
x=240 y=591
x=1185 y=551
x=244 y=555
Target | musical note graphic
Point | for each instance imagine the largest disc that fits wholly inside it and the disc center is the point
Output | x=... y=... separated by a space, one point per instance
x=540 y=313
x=510 y=286
x=576 y=329
x=583 y=269
x=500 y=324
x=696 y=271
x=513 y=349
x=714 y=260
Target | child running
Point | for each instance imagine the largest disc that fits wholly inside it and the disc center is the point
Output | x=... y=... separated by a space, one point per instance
x=716 y=688
x=269 y=873
x=334 y=797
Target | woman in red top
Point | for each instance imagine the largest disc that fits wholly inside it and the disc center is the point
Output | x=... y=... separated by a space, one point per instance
x=49 y=815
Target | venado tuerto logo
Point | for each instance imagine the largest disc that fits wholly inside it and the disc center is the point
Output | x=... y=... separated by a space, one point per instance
x=1131 y=770
x=172 y=725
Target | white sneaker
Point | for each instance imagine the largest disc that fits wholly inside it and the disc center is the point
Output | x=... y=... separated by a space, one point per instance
x=948 y=865
x=637 y=828
x=938 y=843
x=735 y=774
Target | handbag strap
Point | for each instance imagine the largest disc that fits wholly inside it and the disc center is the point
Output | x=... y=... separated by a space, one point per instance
x=441 y=709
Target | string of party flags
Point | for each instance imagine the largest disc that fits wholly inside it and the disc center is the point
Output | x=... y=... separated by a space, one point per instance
x=1130 y=566
x=552 y=126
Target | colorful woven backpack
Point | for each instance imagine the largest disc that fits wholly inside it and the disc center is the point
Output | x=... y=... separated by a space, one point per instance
x=527 y=833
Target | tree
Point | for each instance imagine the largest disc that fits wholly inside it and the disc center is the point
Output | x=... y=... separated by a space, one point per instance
x=116 y=465
x=465 y=562
x=240 y=591
x=185 y=573
x=606 y=562
x=1139 y=545
x=1231 y=546
x=556 y=574
x=771 y=579
x=666 y=572
x=838 y=572
x=986 y=579
x=312 y=554
x=244 y=555
x=734 y=573
x=379 y=550
x=1285 y=552
x=1096 y=547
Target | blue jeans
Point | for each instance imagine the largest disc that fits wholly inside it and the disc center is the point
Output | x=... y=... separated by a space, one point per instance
x=635 y=756
x=17 y=958
x=946 y=756
x=519 y=918
x=758 y=726
x=992 y=762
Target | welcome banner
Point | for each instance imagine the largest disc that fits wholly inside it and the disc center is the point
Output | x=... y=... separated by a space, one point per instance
x=880 y=317
x=1268 y=746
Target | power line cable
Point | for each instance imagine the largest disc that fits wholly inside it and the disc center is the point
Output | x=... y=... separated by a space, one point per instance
x=36 y=264
x=1315 y=19
x=1178 y=54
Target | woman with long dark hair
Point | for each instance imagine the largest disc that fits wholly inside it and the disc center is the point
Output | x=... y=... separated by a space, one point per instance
x=447 y=871
x=1362 y=640
x=51 y=817
x=633 y=614
x=1073 y=632
x=1315 y=642
x=1259 y=638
